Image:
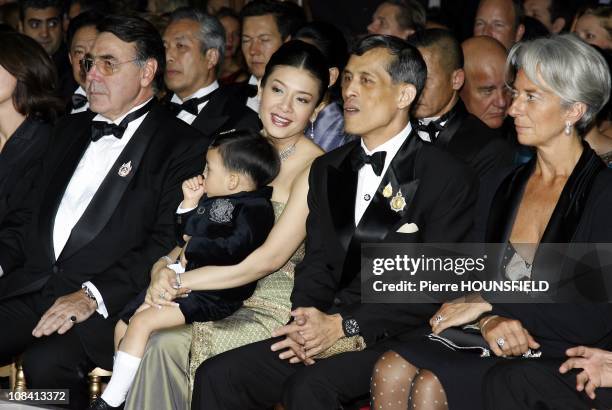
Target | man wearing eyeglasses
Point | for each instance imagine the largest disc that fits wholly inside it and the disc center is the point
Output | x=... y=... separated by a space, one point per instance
x=42 y=21
x=100 y=215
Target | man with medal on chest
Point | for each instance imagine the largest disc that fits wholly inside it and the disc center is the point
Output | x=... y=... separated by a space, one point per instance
x=101 y=213
x=386 y=187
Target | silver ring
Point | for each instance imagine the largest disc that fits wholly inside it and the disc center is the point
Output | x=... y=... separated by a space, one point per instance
x=162 y=295
x=438 y=319
x=500 y=342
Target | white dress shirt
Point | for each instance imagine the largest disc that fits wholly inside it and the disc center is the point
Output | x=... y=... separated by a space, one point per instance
x=95 y=164
x=253 y=102
x=188 y=117
x=425 y=121
x=83 y=108
x=367 y=180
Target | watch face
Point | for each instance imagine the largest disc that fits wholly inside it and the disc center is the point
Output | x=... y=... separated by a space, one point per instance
x=351 y=327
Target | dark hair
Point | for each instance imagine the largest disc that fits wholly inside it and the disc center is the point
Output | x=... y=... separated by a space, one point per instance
x=288 y=16
x=534 y=28
x=331 y=42
x=39 y=4
x=147 y=41
x=85 y=19
x=411 y=15
x=27 y=61
x=211 y=33
x=227 y=12
x=407 y=65
x=100 y=6
x=448 y=48
x=5 y=28
x=247 y=152
x=304 y=56
x=565 y=9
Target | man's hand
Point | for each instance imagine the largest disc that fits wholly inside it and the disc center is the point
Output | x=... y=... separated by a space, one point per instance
x=318 y=329
x=193 y=190
x=596 y=365
x=58 y=318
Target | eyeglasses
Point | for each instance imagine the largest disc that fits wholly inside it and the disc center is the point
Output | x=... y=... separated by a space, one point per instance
x=104 y=66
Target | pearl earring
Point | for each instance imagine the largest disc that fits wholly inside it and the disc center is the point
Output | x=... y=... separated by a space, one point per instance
x=568 y=128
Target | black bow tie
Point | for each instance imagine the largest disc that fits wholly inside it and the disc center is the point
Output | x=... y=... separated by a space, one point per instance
x=431 y=129
x=100 y=129
x=376 y=160
x=78 y=101
x=191 y=105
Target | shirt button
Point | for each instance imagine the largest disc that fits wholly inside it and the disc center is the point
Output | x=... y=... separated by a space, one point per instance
x=55 y=269
x=367 y=197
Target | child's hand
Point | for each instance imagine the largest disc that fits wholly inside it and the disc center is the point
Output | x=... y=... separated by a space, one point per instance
x=193 y=190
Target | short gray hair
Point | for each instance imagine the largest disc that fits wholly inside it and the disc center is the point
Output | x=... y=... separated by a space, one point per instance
x=570 y=68
x=211 y=34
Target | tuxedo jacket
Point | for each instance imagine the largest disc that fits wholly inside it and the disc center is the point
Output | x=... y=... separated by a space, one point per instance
x=581 y=215
x=440 y=193
x=21 y=160
x=224 y=111
x=127 y=226
x=471 y=140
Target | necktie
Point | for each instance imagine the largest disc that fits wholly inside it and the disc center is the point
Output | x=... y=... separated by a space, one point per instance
x=377 y=160
x=78 y=101
x=191 y=105
x=100 y=129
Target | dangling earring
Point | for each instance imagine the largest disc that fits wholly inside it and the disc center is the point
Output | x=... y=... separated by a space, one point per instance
x=568 y=128
x=311 y=133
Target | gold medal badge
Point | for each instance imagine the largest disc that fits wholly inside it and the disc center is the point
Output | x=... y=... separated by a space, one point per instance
x=388 y=191
x=398 y=202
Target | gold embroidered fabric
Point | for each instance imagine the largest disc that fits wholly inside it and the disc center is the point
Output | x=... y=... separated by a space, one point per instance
x=343 y=345
x=267 y=309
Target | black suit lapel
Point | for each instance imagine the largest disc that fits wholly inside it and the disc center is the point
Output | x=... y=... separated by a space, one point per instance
x=59 y=181
x=341 y=191
x=454 y=122
x=105 y=200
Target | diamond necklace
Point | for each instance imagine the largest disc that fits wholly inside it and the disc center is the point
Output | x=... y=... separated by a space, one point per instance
x=287 y=152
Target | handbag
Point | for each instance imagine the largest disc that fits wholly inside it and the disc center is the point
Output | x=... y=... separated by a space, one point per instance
x=469 y=339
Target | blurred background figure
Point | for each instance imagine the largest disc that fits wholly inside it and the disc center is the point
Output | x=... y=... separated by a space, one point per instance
x=556 y=15
x=399 y=18
x=595 y=26
x=500 y=19
x=80 y=37
x=233 y=69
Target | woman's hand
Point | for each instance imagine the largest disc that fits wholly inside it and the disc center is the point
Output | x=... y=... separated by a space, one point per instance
x=161 y=290
x=596 y=365
x=458 y=312
x=506 y=337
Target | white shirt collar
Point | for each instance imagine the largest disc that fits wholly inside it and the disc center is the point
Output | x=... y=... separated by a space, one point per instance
x=391 y=146
x=202 y=92
x=253 y=80
x=100 y=117
x=80 y=91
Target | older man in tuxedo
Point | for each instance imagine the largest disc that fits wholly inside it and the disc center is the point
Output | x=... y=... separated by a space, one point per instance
x=102 y=212
x=195 y=45
x=350 y=204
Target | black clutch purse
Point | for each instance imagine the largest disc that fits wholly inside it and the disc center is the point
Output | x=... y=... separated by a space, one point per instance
x=469 y=339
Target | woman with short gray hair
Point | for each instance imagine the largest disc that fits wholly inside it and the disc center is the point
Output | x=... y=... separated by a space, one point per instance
x=562 y=195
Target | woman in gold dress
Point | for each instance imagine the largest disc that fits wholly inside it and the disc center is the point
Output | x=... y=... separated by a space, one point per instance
x=293 y=85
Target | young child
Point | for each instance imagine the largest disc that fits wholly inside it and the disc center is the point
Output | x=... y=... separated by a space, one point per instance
x=219 y=228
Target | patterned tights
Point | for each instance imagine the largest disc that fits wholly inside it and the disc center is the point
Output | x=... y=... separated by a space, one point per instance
x=397 y=384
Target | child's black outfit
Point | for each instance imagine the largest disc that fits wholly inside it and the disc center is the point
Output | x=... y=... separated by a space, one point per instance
x=224 y=230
